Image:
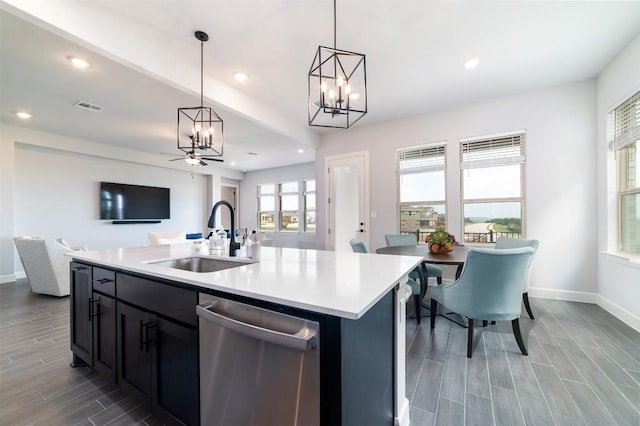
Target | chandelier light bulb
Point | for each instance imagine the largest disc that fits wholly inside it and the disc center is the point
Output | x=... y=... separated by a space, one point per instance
x=323 y=87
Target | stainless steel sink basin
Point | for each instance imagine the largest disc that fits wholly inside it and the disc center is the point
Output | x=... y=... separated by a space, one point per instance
x=201 y=264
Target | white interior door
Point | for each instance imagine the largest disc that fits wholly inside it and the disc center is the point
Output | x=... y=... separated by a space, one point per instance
x=348 y=203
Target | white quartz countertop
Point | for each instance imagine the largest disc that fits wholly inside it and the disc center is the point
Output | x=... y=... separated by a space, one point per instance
x=334 y=283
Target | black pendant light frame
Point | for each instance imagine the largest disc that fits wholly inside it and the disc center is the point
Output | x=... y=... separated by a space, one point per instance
x=200 y=129
x=331 y=102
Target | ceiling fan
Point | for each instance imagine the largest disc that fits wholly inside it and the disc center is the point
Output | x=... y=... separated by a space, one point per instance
x=193 y=158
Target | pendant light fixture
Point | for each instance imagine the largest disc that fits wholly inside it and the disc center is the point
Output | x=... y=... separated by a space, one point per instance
x=337 y=86
x=200 y=129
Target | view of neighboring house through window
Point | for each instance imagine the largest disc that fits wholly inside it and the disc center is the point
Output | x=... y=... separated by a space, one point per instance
x=289 y=207
x=627 y=142
x=492 y=170
x=266 y=207
x=421 y=181
x=309 y=206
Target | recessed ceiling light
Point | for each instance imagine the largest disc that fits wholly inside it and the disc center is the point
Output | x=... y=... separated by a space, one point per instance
x=233 y=163
x=79 y=62
x=24 y=115
x=301 y=151
x=471 y=63
x=241 y=76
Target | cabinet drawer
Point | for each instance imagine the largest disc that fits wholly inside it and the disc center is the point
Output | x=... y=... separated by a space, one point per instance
x=104 y=281
x=172 y=302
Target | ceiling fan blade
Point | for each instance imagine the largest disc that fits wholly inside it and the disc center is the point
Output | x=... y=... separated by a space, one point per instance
x=219 y=160
x=177 y=159
x=203 y=163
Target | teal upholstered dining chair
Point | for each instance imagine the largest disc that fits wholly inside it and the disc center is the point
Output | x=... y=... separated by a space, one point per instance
x=489 y=288
x=509 y=243
x=411 y=240
x=361 y=247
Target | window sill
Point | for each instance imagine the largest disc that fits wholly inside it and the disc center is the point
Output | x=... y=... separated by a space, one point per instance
x=625 y=259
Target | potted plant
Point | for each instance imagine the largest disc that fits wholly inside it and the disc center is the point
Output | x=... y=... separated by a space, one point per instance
x=440 y=241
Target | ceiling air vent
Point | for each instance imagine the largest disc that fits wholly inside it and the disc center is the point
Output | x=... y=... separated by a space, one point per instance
x=88 y=106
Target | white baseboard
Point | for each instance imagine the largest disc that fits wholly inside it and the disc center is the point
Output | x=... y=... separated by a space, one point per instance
x=568 y=295
x=617 y=311
x=4 y=279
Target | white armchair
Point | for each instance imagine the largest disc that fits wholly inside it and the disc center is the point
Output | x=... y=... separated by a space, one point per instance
x=45 y=264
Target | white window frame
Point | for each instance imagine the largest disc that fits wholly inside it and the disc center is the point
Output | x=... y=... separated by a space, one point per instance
x=476 y=152
x=431 y=157
x=305 y=192
x=282 y=193
x=625 y=135
x=260 y=212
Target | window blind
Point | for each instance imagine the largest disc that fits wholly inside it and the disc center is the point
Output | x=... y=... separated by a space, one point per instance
x=419 y=160
x=627 y=122
x=494 y=151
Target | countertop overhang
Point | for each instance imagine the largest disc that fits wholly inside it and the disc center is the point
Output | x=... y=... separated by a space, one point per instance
x=342 y=284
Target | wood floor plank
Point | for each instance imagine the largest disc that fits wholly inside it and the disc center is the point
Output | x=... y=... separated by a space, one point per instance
x=421 y=417
x=555 y=393
x=506 y=407
x=478 y=376
x=594 y=413
x=450 y=413
x=479 y=411
x=613 y=399
x=562 y=363
x=535 y=409
x=453 y=378
x=428 y=388
x=499 y=374
x=609 y=367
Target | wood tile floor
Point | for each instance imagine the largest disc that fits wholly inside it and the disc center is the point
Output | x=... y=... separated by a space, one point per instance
x=583 y=368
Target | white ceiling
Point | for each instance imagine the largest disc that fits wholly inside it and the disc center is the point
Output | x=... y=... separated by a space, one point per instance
x=146 y=62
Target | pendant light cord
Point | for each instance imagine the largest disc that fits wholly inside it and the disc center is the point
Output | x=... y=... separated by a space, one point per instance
x=201 y=73
x=334 y=24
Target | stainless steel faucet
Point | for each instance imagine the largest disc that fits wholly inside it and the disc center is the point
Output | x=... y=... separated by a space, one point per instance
x=233 y=245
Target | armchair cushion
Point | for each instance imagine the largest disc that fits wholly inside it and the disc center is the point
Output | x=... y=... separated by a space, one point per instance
x=45 y=263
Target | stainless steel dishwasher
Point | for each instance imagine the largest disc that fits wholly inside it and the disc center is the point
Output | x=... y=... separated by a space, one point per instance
x=257 y=367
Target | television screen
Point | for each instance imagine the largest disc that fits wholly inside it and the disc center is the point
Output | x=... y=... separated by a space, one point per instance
x=122 y=201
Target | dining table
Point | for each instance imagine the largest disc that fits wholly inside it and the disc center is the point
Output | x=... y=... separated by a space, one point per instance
x=455 y=257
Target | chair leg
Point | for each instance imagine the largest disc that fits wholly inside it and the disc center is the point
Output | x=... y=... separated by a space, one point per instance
x=515 y=324
x=439 y=280
x=434 y=308
x=470 y=338
x=416 y=303
x=525 y=299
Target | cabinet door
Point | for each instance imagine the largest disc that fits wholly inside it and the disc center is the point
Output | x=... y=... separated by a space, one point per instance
x=81 y=318
x=134 y=355
x=175 y=372
x=104 y=335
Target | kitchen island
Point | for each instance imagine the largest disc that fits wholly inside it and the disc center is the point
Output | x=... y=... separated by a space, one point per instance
x=134 y=319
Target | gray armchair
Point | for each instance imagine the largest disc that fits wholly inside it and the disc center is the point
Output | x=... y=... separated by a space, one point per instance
x=46 y=264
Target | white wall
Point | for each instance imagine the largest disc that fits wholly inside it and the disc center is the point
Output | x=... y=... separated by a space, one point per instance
x=49 y=187
x=249 y=201
x=560 y=172
x=618 y=278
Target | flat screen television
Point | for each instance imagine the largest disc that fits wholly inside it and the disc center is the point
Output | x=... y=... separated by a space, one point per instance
x=133 y=202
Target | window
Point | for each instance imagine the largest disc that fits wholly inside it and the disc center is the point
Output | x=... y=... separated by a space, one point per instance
x=492 y=170
x=627 y=142
x=289 y=207
x=266 y=207
x=421 y=180
x=310 y=206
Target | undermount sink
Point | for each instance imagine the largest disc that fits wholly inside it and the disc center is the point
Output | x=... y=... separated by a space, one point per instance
x=201 y=264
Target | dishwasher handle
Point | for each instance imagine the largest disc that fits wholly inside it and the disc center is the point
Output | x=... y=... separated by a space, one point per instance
x=304 y=340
